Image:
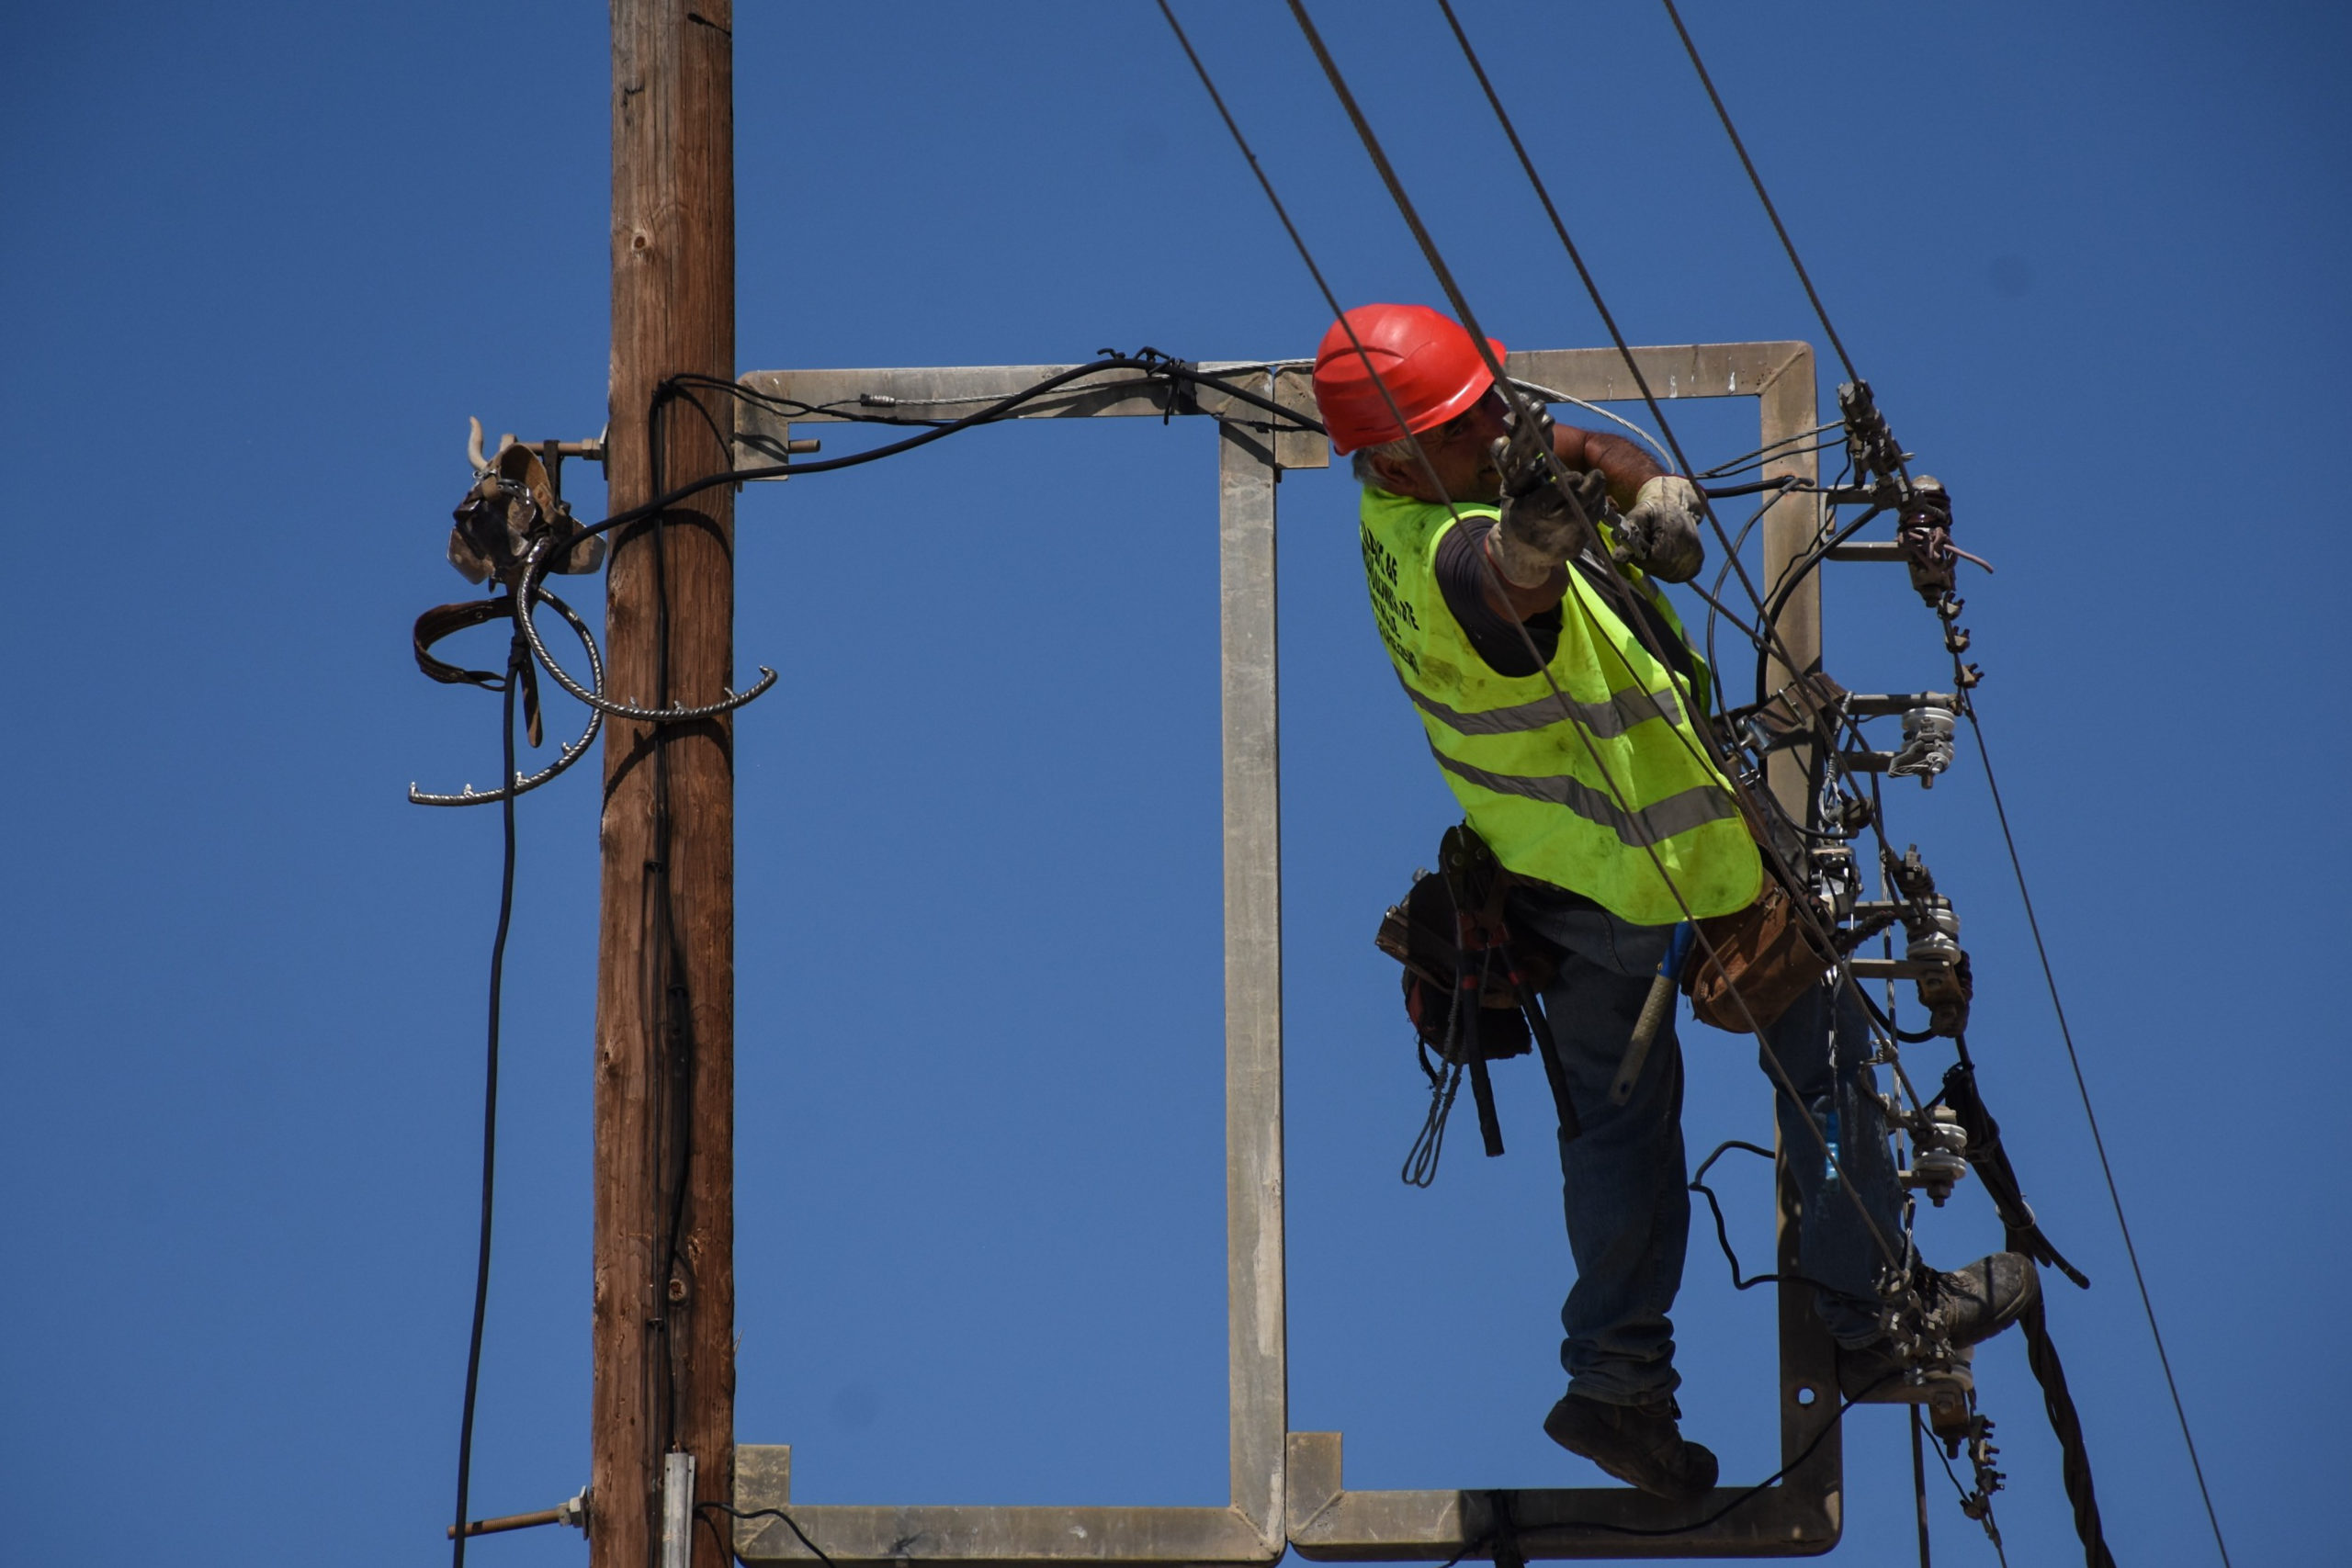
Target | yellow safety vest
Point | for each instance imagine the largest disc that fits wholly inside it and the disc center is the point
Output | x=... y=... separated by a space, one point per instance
x=1566 y=792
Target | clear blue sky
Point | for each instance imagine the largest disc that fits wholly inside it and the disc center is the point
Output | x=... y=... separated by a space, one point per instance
x=264 y=260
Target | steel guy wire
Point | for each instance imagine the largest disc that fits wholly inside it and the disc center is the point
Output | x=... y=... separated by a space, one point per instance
x=1429 y=470
x=2107 y=1171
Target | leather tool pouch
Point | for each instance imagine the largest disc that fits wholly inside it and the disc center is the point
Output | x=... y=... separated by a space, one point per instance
x=1763 y=953
x=1426 y=933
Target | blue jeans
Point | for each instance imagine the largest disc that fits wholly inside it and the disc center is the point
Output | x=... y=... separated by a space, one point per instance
x=1626 y=1179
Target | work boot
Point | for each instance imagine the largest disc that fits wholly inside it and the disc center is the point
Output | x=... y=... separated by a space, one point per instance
x=1983 y=1299
x=1976 y=1302
x=1639 y=1444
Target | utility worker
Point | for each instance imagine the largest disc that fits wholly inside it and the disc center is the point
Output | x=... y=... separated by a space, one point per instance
x=1560 y=696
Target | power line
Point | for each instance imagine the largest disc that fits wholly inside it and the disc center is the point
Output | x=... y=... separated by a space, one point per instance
x=1761 y=194
x=1765 y=634
x=1445 y=281
x=2016 y=864
x=1339 y=83
x=1896 y=1259
x=2082 y=1086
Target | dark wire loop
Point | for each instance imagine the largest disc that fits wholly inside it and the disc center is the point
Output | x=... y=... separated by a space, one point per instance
x=1155 y=368
x=1794 y=577
x=1722 y=1235
x=517 y=784
x=593 y=694
x=1151 y=370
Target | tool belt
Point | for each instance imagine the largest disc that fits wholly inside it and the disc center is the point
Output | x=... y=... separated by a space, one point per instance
x=1448 y=932
x=1469 y=990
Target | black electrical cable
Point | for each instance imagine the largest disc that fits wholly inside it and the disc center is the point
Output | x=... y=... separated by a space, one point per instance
x=670 y=992
x=1764 y=453
x=519 y=655
x=662 y=503
x=707 y=1509
x=1919 y=1481
x=1731 y=554
x=1761 y=1487
x=1165 y=369
x=1154 y=371
x=1761 y=194
x=1785 y=483
x=2107 y=1170
x=1158 y=369
x=669 y=988
x=1758 y=459
x=1697 y=1184
x=1791 y=578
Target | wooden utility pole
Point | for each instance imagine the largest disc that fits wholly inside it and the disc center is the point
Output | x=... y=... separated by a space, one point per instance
x=664 y=1305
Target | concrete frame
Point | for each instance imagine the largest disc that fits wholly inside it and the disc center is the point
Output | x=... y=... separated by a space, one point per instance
x=1287 y=1489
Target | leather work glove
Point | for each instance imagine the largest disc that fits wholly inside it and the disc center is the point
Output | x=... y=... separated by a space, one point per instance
x=1541 y=526
x=1660 y=534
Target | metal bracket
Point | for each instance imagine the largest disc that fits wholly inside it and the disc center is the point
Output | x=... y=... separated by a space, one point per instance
x=1287 y=1487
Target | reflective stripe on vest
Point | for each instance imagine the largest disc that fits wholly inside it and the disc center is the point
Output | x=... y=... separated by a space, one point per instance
x=1580 y=787
x=1695 y=806
x=1619 y=713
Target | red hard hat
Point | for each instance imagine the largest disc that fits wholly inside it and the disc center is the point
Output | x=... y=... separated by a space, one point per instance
x=1427 y=362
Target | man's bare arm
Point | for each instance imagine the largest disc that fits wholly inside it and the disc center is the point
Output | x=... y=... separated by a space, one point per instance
x=1626 y=466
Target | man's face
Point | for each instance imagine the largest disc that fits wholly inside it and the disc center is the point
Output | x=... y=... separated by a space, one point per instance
x=1462 y=450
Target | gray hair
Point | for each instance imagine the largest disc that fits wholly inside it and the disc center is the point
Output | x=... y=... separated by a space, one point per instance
x=1399 y=451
